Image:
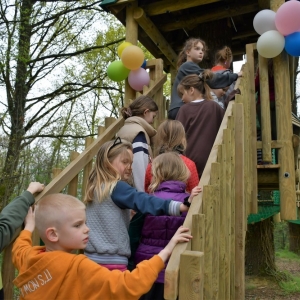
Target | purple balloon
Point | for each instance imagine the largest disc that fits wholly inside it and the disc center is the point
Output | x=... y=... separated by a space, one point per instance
x=138 y=78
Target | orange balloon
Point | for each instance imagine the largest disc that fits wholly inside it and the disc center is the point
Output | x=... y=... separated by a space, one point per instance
x=122 y=47
x=132 y=57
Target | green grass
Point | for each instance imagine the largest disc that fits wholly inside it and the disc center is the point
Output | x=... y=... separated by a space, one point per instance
x=291 y=286
x=287 y=255
x=250 y=286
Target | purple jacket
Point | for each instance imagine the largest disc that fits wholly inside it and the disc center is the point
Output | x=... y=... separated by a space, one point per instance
x=158 y=230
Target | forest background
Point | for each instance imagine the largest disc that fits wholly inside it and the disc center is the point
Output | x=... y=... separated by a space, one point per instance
x=54 y=90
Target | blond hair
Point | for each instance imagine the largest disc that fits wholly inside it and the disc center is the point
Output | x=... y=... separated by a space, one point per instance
x=198 y=82
x=168 y=166
x=188 y=45
x=138 y=107
x=170 y=136
x=51 y=209
x=104 y=176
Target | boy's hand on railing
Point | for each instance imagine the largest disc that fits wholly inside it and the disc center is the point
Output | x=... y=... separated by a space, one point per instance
x=30 y=220
x=35 y=187
x=181 y=236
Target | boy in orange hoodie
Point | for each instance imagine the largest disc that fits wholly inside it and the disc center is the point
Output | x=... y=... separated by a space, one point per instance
x=53 y=272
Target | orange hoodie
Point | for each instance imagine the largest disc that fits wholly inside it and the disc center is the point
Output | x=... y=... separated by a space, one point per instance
x=61 y=275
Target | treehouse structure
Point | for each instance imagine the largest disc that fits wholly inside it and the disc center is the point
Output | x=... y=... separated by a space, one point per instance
x=211 y=266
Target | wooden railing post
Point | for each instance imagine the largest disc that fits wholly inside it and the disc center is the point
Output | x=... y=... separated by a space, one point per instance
x=72 y=187
x=240 y=217
x=191 y=275
x=198 y=232
x=132 y=37
x=250 y=132
x=87 y=169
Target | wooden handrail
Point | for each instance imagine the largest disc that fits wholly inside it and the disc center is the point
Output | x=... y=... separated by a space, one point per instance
x=172 y=270
x=60 y=181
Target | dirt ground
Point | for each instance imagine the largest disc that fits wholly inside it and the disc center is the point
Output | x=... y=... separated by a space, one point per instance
x=261 y=288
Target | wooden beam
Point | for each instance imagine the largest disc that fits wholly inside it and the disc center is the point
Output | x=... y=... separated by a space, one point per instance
x=264 y=4
x=132 y=37
x=162 y=7
x=244 y=34
x=192 y=20
x=155 y=35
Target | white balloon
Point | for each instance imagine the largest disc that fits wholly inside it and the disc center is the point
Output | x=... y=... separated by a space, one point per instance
x=270 y=44
x=264 y=21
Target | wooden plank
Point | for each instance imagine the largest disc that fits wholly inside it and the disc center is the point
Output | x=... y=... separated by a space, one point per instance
x=274 y=144
x=275 y=166
x=252 y=145
x=198 y=232
x=215 y=182
x=248 y=168
x=59 y=182
x=101 y=129
x=208 y=15
x=132 y=37
x=275 y=4
x=191 y=275
x=228 y=218
x=108 y=121
x=265 y=124
x=72 y=187
x=223 y=221
x=264 y=4
x=172 y=270
x=208 y=211
x=284 y=133
x=155 y=35
x=240 y=217
x=161 y=7
x=232 y=206
x=88 y=167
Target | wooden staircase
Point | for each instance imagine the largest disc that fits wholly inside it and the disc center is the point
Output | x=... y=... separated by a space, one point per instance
x=211 y=266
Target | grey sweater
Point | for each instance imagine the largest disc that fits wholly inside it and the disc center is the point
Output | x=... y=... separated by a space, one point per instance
x=220 y=80
x=109 y=221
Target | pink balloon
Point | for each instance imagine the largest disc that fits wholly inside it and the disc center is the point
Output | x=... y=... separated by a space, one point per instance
x=138 y=78
x=287 y=19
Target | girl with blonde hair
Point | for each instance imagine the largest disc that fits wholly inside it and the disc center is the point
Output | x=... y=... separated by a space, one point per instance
x=170 y=175
x=138 y=130
x=109 y=199
x=170 y=137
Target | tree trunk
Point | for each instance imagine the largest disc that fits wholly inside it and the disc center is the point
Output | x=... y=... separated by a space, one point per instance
x=260 y=252
x=16 y=105
x=294 y=233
